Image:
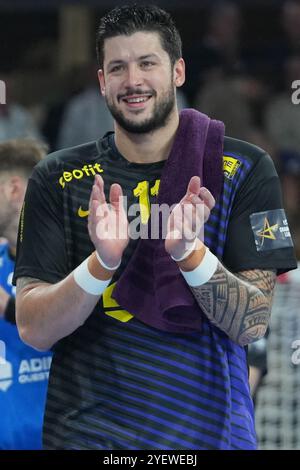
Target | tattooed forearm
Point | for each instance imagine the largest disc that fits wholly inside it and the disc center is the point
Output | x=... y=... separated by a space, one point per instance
x=25 y=281
x=239 y=304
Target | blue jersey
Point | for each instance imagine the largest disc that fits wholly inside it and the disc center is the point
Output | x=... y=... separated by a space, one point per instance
x=23 y=379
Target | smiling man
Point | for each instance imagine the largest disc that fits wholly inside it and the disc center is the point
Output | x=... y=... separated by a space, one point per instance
x=147 y=101
x=149 y=334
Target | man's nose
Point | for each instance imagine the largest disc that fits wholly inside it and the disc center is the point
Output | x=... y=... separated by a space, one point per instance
x=134 y=75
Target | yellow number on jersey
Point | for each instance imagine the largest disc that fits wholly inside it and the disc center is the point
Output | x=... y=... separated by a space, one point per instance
x=142 y=192
x=112 y=308
x=154 y=190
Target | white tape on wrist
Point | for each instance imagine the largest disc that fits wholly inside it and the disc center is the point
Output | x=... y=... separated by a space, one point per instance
x=187 y=252
x=202 y=273
x=113 y=268
x=87 y=282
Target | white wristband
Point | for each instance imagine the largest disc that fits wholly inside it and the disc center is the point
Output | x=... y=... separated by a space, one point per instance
x=87 y=282
x=202 y=273
x=187 y=252
x=113 y=268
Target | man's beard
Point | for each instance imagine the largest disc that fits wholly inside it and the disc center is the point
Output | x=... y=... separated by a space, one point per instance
x=157 y=120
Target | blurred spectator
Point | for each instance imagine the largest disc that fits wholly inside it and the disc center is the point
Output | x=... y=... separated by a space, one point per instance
x=15 y=121
x=232 y=101
x=216 y=99
x=276 y=55
x=282 y=117
x=69 y=85
x=86 y=116
x=219 y=51
x=291 y=25
x=222 y=40
x=24 y=371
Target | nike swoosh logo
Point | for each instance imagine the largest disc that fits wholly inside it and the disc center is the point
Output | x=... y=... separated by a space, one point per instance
x=82 y=213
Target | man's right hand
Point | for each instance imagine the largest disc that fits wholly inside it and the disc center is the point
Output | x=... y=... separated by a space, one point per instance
x=48 y=312
x=107 y=222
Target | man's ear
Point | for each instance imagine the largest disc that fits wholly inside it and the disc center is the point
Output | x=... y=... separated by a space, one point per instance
x=179 y=72
x=101 y=81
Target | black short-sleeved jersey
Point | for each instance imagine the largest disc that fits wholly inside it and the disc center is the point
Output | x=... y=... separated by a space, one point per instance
x=117 y=383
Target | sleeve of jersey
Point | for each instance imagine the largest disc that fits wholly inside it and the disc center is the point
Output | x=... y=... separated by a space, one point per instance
x=258 y=235
x=41 y=251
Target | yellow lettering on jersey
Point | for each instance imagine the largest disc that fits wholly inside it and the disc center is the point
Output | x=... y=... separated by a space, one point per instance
x=230 y=166
x=79 y=173
x=114 y=308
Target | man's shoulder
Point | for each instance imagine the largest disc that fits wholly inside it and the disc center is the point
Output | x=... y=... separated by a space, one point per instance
x=242 y=148
x=70 y=159
x=68 y=156
x=250 y=156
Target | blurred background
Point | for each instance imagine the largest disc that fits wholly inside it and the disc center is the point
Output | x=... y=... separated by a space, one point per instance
x=241 y=57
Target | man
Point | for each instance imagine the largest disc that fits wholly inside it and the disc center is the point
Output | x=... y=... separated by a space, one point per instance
x=120 y=378
x=23 y=371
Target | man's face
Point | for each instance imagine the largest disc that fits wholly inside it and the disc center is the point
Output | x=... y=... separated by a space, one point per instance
x=138 y=81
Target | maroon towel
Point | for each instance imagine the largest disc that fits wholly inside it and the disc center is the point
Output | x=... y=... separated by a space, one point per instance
x=151 y=287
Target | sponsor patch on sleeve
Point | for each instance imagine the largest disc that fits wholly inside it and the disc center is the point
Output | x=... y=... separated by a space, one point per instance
x=230 y=166
x=271 y=230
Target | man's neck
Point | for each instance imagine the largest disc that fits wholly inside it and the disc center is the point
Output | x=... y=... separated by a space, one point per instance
x=147 y=148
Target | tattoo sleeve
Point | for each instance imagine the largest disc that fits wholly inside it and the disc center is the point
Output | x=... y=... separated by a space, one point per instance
x=239 y=304
x=25 y=281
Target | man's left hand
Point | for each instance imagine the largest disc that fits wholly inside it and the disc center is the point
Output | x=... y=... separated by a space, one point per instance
x=188 y=217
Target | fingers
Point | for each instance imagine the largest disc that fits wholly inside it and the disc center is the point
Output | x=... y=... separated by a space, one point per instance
x=207 y=198
x=116 y=197
x=194 y=216
x=196 y=194
x=97 y=205
x=101 y=207
x=92 y=219
x=97 y=193
x=194 y=186
x=99 y=185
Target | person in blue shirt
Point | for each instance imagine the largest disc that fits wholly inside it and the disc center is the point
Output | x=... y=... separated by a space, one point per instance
x=23 y=370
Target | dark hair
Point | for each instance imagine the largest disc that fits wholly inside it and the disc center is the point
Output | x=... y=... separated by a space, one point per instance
x=21 y=155
x=129 y=19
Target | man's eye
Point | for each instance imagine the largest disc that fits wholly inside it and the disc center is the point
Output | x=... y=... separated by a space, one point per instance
x=116 y=68
x=147 y=63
